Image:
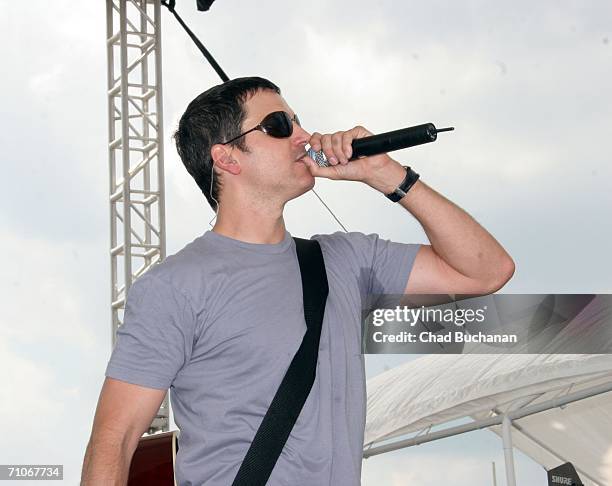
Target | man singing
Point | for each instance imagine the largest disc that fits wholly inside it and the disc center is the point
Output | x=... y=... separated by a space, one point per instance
x=219 y=322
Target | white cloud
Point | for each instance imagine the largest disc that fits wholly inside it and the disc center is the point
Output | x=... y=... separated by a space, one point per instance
x=45 y=300
x=46 y=416
x=26 y=392
x=46 y=83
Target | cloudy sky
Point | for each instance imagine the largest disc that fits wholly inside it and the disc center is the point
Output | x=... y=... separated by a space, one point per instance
x=527 y=86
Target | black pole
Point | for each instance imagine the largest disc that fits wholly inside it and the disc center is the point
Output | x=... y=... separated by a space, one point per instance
x=207 y=55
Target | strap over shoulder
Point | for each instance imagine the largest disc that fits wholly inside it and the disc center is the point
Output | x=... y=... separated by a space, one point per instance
x=293 y=391
x=314 y=276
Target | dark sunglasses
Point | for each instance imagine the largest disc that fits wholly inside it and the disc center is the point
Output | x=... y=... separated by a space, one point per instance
x=277 y=124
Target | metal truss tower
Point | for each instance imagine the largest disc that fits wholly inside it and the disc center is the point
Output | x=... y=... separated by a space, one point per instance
x=135 y=152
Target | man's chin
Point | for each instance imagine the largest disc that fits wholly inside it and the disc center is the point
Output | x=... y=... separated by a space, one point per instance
x=309 y=181
x=306 y=186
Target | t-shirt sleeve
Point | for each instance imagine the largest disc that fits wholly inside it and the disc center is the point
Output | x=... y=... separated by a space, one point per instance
x=391 y=264
x=381 y=266
x=155 y=340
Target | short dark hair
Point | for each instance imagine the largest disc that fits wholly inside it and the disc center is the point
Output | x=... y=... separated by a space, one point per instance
x=214 y=116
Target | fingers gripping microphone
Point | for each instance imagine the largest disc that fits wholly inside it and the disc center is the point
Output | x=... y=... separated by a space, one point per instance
x=386 y=142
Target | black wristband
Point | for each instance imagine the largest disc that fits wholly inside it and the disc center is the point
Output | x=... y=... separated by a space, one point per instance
x=404 y=187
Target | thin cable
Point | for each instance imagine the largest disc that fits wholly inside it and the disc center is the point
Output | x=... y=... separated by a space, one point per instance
x=212 y=175
x=210 y=222
x=330 y=211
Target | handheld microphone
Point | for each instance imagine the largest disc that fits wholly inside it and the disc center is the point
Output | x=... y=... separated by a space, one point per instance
x=386 y=142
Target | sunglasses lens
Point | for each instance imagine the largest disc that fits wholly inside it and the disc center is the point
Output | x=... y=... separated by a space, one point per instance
x=278 y=124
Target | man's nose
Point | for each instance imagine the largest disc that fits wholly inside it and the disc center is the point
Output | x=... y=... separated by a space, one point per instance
x=300 y=136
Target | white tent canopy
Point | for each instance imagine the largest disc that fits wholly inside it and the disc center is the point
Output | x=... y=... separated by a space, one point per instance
x=435 y=389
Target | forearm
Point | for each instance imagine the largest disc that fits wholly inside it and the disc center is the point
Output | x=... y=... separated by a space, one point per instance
x=454 y=235
x=107 y=462
x=463 y=255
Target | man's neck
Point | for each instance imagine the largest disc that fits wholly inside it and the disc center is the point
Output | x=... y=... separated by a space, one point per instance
x=250 y=225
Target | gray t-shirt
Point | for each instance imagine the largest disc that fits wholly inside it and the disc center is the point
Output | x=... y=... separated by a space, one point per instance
x=219 y=323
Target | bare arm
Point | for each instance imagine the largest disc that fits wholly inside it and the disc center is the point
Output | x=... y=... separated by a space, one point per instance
x=123 y=414
x=463 y=257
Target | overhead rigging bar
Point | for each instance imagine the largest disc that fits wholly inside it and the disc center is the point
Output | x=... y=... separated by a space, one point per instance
x=170 y=6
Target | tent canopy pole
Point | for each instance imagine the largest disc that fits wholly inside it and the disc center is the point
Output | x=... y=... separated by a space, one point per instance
x=508 y=454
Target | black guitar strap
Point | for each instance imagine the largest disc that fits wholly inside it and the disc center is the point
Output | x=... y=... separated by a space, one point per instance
x=293 y=391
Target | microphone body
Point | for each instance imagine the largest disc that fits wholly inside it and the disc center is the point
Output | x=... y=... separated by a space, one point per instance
x=385 y=142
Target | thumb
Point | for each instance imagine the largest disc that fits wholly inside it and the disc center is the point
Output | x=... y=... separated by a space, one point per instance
x=317 y=171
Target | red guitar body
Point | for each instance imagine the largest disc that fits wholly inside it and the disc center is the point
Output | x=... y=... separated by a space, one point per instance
x=153 y=460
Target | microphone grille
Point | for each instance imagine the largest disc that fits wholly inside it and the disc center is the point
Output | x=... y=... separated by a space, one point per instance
x=318 y=157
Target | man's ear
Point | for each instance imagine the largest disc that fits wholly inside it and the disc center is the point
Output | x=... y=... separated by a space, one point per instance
x=222 y=158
